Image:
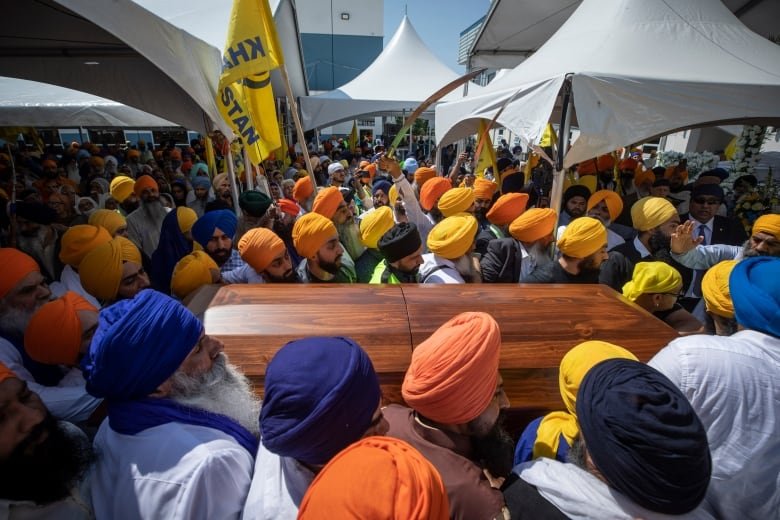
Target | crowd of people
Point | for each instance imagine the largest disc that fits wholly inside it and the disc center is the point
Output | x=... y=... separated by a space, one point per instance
x=117 y=403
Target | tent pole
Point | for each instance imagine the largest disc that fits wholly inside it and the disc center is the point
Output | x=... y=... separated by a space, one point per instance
x=556 y=194
x=298 y=126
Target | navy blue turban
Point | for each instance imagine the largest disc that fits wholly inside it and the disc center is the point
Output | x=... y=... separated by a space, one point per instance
x=139 y=343
x=201 y=182
x=320 y=396
x=381 y=185
x=204 y=227
x=644 y=436
x=754 y=285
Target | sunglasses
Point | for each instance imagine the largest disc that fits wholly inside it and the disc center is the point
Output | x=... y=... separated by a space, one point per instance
x=704 y=201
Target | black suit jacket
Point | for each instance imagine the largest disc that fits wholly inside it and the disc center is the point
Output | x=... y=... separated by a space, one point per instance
x=725 y=230
x=629 y=251
x=502 y=261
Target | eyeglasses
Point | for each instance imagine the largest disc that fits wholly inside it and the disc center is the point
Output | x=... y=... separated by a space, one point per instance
x=708 y=202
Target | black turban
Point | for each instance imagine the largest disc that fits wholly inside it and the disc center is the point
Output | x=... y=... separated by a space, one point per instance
x=36 y=212
x=712 y=190
x=644 y=436
x=578 y=190
x=399 y=242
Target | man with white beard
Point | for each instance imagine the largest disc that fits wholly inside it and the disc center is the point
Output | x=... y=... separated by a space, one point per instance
x=182 y=427
x=330 y=204
x=144 y=224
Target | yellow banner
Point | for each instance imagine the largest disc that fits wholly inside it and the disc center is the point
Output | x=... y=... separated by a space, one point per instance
x=353 y=137
x=548 y=137
x=252 y=46
x=487 y=157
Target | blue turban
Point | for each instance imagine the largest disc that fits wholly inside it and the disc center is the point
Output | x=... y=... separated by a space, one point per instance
x=139 y=343
x=381 y=185
x=199 y=167
x=755 y=290
x=320 y=396
x=201 y=182
x=204 y=227
x=644 y=436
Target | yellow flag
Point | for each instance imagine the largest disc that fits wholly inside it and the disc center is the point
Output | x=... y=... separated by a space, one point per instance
x=282 y=153
x=487 y=156
x=731 y=149
x=353 y=137
x=211 y=161
x=548 y=137
x=245 y=97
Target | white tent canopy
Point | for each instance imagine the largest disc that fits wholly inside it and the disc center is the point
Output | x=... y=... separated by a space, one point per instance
x=660 y=67
x=404 y=75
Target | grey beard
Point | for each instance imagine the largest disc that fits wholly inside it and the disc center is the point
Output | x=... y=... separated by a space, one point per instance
x=464 y=266
x=541 y=255
x=154 y=211
x=577 y=453
x=349 y=234
x=13 y=321
x=222 y=390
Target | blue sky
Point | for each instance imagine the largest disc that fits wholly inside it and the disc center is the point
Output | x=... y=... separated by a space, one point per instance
x=438 y=22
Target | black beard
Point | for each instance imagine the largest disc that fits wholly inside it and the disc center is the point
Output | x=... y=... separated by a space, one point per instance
x=405 y=277
x=659 y=242
x=495 y=450
x=51 y=471
x=221 y=256
x=330 y=267
x=289 y=277
x=282 y=229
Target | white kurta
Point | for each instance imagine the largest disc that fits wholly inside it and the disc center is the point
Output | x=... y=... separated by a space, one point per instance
x=733 y=383
x=172 y=471
x=70 y=281
x=278 y=486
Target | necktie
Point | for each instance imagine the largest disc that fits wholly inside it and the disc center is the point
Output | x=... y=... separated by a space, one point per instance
x=698 y=274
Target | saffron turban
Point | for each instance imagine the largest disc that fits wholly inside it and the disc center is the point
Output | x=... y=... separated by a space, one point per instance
x=54 y=334
x=96 y=162
x=627 y=164
x=715 y=289
x=375 y=224
x=605 y=162
x=16 y=265
x=371 y=169
x=186 y=218
x=403 y=484
x=484 y=189
x=507 y=208
x=588 y=167
x=644 y=436
x=643 y=177
x=453 y=237
x=670 y=172
x=400 y=241
x=192 y=272
x=254 y=203
x=176 y=154
x=133 y=154
x=310 y=233
x=423 y=175
x=612 y=199
x=144 y=182
x=755 y=290
x=289 y=207
x=5 y=373
x=456 y=200
x=652 y=278
x=574 y=365
x=432 y=192
x=259 y=247
x=650 y=212
x=327 y=202
x=303 y=189
x=100 y=270
x=223 y=219
x=533 y=225
x=138 y=345
x=453 y=374
x=48 y=163
x=769 y=224
x=320 y=396
x=121 y=187
x=219 y=180
x=79 y=240
x=583 y=237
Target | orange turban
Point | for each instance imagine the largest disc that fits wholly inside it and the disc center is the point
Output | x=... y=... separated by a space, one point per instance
x=192 y=272
x=101 y=269
x=643 y=177
x=583 y=237
x=15 y=266
x=80 y=240
x=484 y=189
x=48 y=163
x=176 y=154
x=456 y=200
x=5 y=373
x=108 y=219
x=613 y=200
x=121 y=187
x=259 y=247
x=423 y=175
x=769 y=224
x=371 y=169
x=605 y=162
x=453 y=236
x=303 y=189
x=507 y=208
x=375 y=224
x=327 y=201
x=432 y=192
x=133 y=154
x=96 y=162
x=144 y=182
x=453 y=374
x=670 y=172
x=403 y=484
x=185 y=217
x=628 y=164
x=533 y=225
x=310 y=233
x=289 y=207
x=587 y=167
x=54 y=334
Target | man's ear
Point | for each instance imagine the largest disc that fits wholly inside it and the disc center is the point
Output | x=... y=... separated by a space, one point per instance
x=163 y=390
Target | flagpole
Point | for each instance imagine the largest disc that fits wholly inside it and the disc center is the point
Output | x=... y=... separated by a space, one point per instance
x=248 y=170
x=298 y=126
x=233 y=180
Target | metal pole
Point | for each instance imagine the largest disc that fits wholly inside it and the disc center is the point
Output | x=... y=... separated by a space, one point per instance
x=563 y=142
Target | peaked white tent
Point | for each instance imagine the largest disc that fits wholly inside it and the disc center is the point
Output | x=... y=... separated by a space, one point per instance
x=637 y=69
x=384 y=87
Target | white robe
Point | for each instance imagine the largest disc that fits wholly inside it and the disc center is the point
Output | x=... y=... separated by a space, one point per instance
x=278 y=486
x=70 y=281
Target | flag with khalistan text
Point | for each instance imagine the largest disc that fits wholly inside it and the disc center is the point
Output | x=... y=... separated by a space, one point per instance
x=245 y=97
x=487 y=156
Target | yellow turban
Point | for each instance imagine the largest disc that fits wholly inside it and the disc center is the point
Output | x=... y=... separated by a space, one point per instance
x=453 y=237
x=583 y=237
x=533 y=225
x=650 y=212
x=589 y=181
x=110 y=220
x=652 y=278
x=392 y=195
x=54 y=334
x=375 y=224
x=80 y=240
x=101 y=270
x=327 y=202
x=715 y=289
x=456 y=200
x=768 y=224
x=574 y=366
x=259 y=247
x=121 y=187
x=613 y=200
x=310 y=233
x=191 y=272
x=484 y=189
x=186 y=217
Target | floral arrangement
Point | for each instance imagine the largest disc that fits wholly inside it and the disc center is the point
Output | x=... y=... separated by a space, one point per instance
x=748 y=149
x=697 y=161
x=761 y=201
